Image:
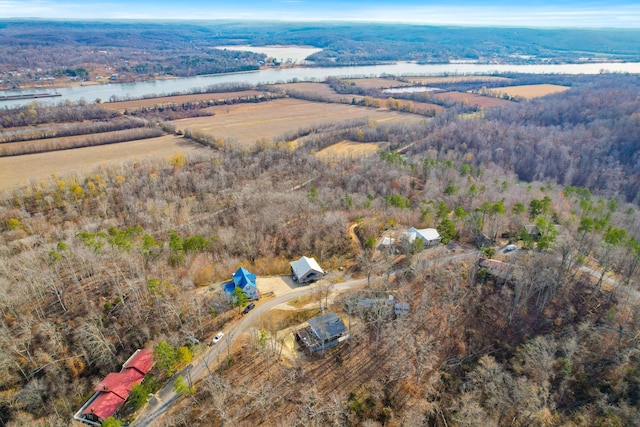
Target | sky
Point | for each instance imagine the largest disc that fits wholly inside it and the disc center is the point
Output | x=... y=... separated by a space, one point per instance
x=531 y=13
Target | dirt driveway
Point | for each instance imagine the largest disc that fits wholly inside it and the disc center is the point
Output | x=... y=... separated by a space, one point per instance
x=276 y=284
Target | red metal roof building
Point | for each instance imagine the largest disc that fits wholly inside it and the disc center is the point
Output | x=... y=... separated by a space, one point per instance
x=115 y=388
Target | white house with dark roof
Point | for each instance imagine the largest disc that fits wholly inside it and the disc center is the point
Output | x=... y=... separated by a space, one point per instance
x=306 y=270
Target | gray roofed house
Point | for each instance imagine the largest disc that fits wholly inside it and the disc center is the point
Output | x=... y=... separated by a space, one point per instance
x=323 y=332
x=306 y=270
x=327 y=326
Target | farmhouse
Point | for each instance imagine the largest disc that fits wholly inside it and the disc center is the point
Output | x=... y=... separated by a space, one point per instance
x=306 y=270
x=114 y=389
x=323 y=332
x=244 y=280
x=429 y=236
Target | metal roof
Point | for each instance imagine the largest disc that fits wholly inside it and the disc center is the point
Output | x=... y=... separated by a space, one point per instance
x=242 y=277
x=428 y=234
x=114 y=389
x=327 y=326
x=305 y=265
x=142 y=361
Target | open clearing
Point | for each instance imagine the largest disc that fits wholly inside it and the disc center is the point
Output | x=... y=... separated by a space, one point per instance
x=346 y=149
x=529 y=91
x=77 y=141
x=139 y=103
x=376 y=83
x=472 y=99
x=456 y=79
x=248 y=123
x=314 y=89
x=325 y=91
x=20 y=170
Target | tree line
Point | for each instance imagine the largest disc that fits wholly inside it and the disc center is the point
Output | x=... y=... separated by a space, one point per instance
x=97 y=265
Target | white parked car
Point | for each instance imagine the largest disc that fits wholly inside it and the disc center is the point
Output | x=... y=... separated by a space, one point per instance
x=510 y=248
x=217 y=338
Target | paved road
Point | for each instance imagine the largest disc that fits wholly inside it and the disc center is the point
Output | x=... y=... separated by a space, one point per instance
x=166 y=397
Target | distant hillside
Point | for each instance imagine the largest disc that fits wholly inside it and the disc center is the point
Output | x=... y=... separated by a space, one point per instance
x=186 y=48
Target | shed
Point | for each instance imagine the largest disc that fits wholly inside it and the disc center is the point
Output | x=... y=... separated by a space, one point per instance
x=306 y=270
x=532 y=231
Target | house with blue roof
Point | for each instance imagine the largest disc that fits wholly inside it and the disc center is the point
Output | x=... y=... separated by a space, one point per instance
x=244 y=280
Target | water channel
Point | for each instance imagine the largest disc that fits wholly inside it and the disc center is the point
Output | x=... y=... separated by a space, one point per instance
x=107 y=91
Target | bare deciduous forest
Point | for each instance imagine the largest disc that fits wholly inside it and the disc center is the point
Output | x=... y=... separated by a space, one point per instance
x=95 y=266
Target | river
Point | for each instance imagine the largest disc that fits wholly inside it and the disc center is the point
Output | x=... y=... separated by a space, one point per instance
x=106 y=91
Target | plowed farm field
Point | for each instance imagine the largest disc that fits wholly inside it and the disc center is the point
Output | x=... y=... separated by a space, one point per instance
x=530 y=91
x=20 y=170
x=248 y=123
x=472 y=99
x=179 y=99
x=456 y=79
x=347 y=149
x=313 y=89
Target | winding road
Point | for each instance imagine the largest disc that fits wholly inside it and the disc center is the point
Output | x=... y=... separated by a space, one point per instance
x=166 y=397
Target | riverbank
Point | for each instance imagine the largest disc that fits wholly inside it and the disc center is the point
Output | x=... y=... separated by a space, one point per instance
x=28 y=96
x=185 y=85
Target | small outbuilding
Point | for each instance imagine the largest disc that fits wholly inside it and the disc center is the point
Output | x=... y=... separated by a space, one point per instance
x=306 y=270
x=532 y=231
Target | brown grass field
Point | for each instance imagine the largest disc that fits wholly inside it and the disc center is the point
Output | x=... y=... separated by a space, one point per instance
x=347 y=149
x=76 y=141
x=473 y=99
x=327 y=92
x=318 y=89
x=139 y=103
x=529 y=91
x=377 y=83
x=248 y=123
x=20 y=170
x=456 y=79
